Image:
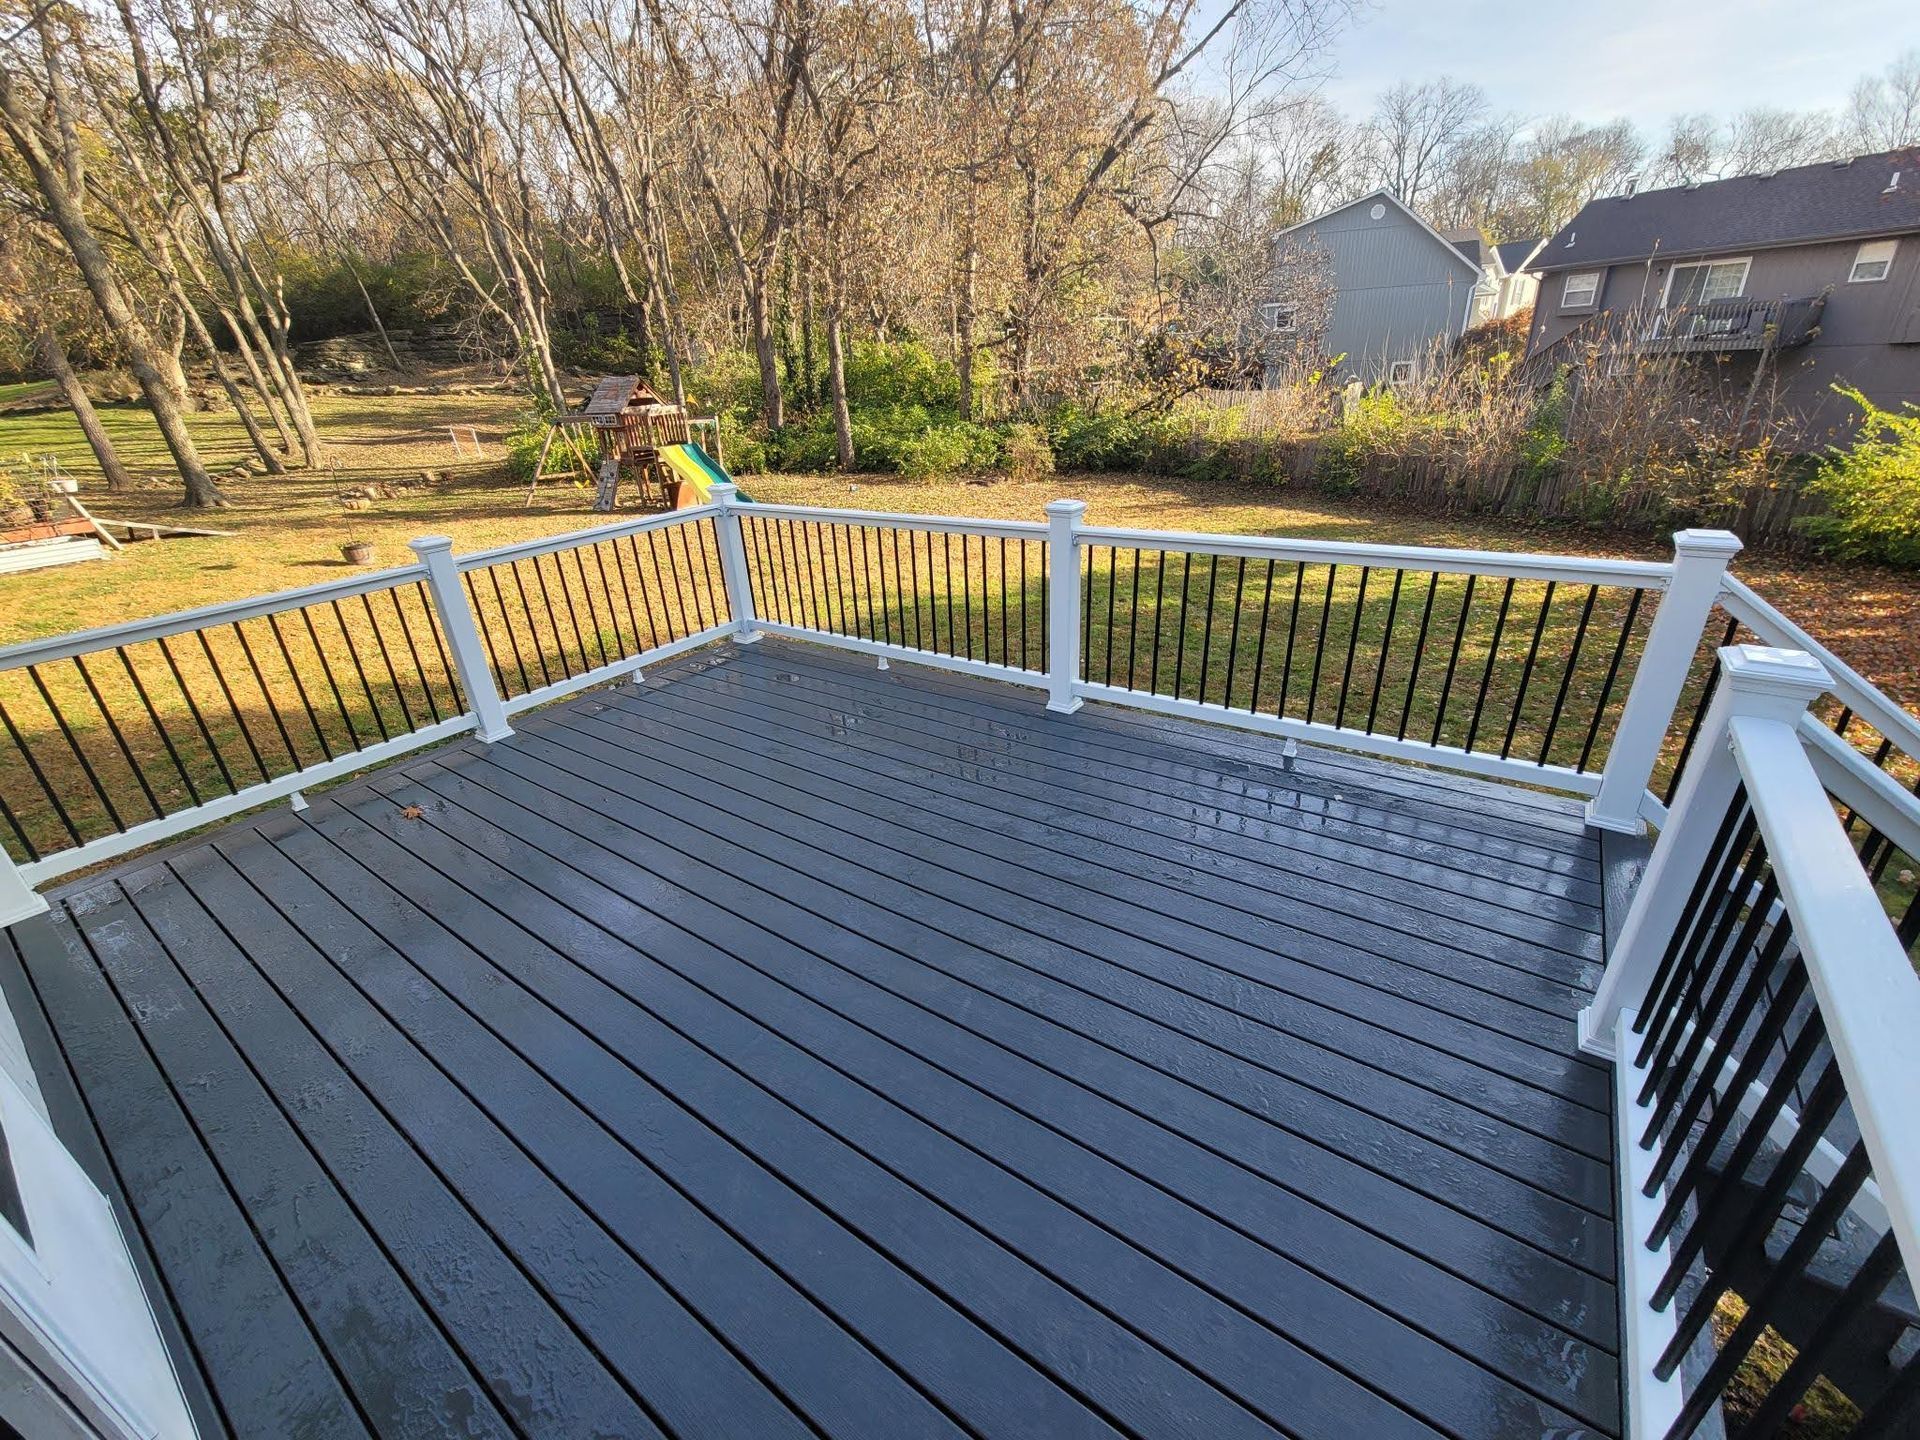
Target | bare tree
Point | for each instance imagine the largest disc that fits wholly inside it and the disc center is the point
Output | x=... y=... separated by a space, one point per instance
x=1884 y=111
x=41 y=117
x=1417 y=127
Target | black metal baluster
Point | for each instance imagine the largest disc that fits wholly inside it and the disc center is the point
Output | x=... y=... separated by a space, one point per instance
x=913 y=566
x=1699 y=714
x=153 y=715
x=119 y=738
x=1133 y=627
x=413 y=649
x=73 y=744
x=1566 y=679
x=353 y=654
x=1233 y=635
x=486 y=630
x=1701 y=1083
x=31 y=850
x=534 y=642
x=586 y=598
x=1701 y=932
x=1773 y=1025
x=646 y=596
x=553 y=620
x=233 y=705
x=1260 y=647
x=672 y=598
x=1526 y=670
x=1353 y=648
x=1113 y=568
x=193 y=709
x=1875 y=1272
x=1159 y=617
x=440 y=645
x=1023 y=605
x=266 y=695
x=386 y=659
x=1086 y=612
x=1293 y=626
x=1180 y=630
x=333 y=684
x=613 y=607
x=1613 y=674
x=1757 y=1217
x=1006 y=636
x=1419 y=653
x=709 y=533
x=946 y=570
x=1453 y=660
x=1320 y=643
x=46 y=788
x=817 y=563
x=966 y=585
x=1386 y=644
x=1206 y=634
x=884 y=599
x=299 y=684
x=1677 y=956
x=686 y=578
x=1493 y=658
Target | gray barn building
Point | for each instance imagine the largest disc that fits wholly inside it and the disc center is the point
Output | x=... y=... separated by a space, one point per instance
x=1372 y=284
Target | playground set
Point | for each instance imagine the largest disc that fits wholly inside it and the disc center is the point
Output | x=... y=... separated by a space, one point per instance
x=634 y=436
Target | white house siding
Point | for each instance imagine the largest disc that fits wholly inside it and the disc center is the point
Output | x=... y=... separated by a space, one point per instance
x=1399 y=289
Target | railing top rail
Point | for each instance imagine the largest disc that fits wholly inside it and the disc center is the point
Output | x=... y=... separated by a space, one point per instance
x=1643 y=574
x=183 y=622
x=1853 y=689
x=1868 y=995
x=971 y=525
x=592 y=535
x=1862 y=786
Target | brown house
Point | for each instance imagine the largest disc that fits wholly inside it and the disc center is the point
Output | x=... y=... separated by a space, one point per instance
x=1805 y=278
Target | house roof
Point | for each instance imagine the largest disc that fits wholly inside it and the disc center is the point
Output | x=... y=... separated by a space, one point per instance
x=1868 y=195
x=1470 y=243
x=1516 y=255
x=1387 y=197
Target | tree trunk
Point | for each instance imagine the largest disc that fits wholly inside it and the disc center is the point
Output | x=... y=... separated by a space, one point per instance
x=373 y=311
x=969 y=290
x=837 y=385
x=53 y=359
x=772 y=402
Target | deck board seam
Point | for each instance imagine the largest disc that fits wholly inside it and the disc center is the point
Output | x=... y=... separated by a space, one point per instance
x=948 y=1206
x=1513 y=913
x=1434 y=982
x=1036 y=733
x=485 y=899
x=1373 y=1166
x=1315 y=1043
x=896 y=719
x=1115 y=723
x=1067 y=1078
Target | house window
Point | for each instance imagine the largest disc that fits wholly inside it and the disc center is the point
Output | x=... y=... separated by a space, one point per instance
x=1872 y=261
x=1580 y=290
x=1400 y=372
x=1707 y=281
x=1281 y=319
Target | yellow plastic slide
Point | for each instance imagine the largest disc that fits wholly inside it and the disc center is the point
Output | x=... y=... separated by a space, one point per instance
x=693 y=465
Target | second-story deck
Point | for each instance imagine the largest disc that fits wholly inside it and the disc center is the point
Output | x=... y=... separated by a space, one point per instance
x=783 y=1047
x=1212 y=985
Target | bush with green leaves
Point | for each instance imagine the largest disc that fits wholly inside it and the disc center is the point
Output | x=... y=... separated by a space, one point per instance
x=1871 y=487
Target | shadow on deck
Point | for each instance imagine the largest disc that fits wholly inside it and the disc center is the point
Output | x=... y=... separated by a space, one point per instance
x=781 y=1047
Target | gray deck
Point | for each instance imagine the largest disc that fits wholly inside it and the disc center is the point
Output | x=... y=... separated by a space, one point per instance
x=784 y=1048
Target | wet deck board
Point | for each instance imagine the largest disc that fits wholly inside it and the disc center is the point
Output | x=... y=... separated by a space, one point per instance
x=781 y=1047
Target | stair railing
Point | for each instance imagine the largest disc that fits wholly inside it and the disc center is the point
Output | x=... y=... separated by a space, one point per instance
x=1760 y=1012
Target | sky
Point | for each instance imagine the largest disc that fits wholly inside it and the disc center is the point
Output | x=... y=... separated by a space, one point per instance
x=1643 y=59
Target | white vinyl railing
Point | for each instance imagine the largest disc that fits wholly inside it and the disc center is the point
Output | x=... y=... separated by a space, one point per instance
x=1759 y=1010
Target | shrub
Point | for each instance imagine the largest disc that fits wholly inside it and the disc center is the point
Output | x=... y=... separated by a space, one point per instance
x=728 y=380
x=1872 y=487
x=1093 y=439
x=745 y=448
x=1025 y=453
x=888 y=374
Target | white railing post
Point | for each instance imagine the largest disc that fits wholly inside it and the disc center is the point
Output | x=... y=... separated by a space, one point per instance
x=733 y=564
x=1699 y=564
x=1063 y=604
x=18 y=900
x=463 y=636
x=1756 y=681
